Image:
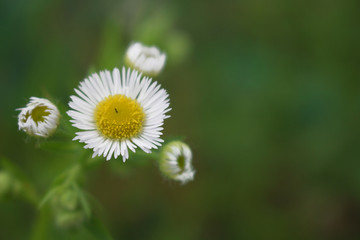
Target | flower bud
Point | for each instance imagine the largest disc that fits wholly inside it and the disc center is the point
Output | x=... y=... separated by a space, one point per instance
x=68 y=209
x=148 y=60
x=176 y=162
x=66 y=219
x=68 y=200
x=39 y=118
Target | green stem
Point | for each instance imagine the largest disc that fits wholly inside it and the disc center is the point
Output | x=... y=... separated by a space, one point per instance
x=73 y=174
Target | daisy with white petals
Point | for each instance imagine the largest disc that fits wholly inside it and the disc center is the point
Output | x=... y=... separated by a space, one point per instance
x=119 y=111
x=39 y=118
x=148 y=60
x=175 y=162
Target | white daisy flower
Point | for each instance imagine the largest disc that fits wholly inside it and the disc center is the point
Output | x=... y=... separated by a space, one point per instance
x=175 y=162
x=119 y=111
x=39 y=118
x=148 y=60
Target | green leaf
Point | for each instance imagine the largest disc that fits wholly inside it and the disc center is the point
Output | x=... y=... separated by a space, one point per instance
x=41 y=228
x=27 y=190
x=97 y=229
x=12 y=168
x=51 y=193
x=83 y=201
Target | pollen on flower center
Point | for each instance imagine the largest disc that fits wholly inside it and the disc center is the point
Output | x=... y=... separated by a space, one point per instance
x=119 y=117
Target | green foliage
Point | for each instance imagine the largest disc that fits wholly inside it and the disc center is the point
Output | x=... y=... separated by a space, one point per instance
x=267 y=93
x=14 y=183
x=159 y=29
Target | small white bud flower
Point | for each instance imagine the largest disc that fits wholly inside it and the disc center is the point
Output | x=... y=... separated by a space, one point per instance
x=176 y=162
x=39 y=118
x=148 y=60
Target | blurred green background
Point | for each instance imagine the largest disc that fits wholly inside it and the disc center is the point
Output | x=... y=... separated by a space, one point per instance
x=265 y=92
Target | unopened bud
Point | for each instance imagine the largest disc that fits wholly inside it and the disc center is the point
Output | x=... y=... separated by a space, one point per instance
x=148 y=60
x=176 y=162
x=39 y=118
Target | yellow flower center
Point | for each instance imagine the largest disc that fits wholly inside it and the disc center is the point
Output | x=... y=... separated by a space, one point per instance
x=119 y=117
